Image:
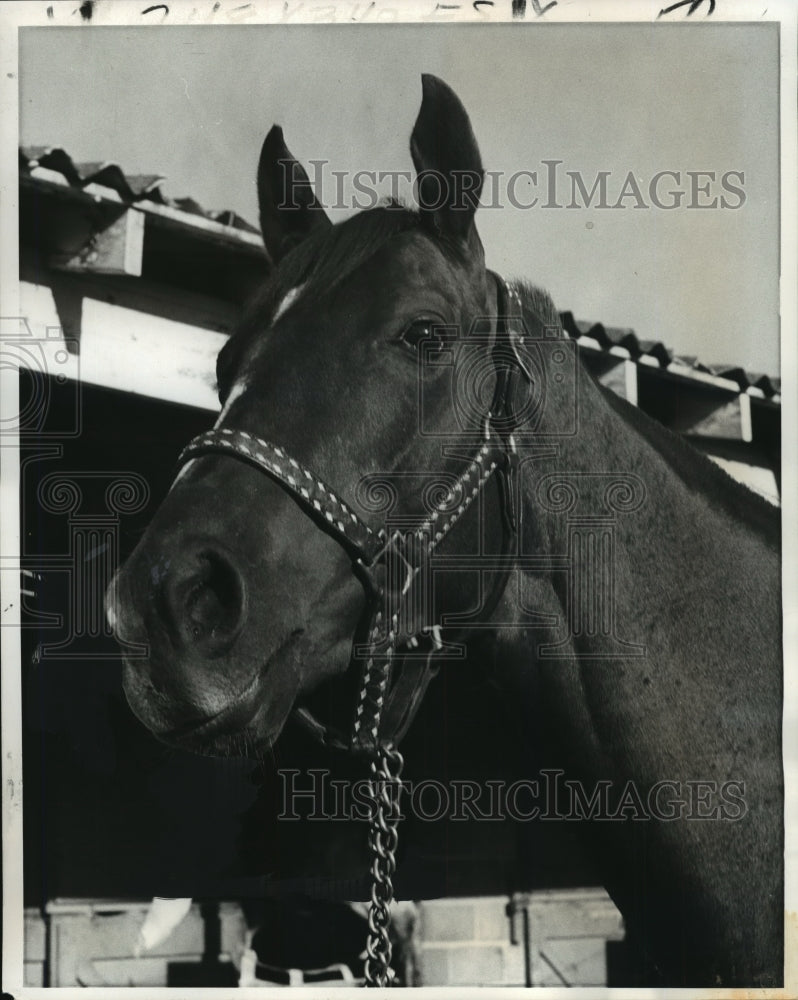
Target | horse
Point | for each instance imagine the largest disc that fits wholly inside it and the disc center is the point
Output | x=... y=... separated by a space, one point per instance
x=334 y=549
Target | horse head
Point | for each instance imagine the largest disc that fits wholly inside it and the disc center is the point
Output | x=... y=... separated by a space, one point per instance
x=650 y=657
x=246 y=607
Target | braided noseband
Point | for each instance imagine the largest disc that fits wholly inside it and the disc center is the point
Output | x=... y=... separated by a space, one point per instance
x=312 y=493
x=386 y=705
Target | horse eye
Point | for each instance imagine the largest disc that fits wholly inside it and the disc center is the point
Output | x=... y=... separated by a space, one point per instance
x=423 y=330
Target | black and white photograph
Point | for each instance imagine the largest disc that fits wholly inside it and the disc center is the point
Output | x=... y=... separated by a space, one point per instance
x=399 y=449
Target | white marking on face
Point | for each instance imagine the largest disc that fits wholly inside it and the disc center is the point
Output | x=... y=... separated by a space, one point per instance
x=288 y=300
x=240 y=387
x=238 y=390
x=182 y=473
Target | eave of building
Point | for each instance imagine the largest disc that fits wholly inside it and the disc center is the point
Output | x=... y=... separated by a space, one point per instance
x=92 y=261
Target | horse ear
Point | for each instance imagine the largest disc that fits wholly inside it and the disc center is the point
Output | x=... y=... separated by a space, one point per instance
x=447 y=160
x=289 y=210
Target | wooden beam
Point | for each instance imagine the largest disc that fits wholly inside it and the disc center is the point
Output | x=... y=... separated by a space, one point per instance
x=613 y=371
x=630 y=382
x=199 y=226
x=146 y=296
x=695 y=408
x=117 y=248
x=49 y=183
x=715 y=419
x=122 y=349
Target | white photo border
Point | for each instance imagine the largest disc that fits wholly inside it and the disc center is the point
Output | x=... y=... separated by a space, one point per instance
x=208 y=13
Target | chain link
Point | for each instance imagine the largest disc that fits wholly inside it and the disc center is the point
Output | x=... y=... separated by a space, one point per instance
x=385 y=786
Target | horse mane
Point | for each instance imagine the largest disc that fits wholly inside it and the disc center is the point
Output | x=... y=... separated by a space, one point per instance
x=701 y=474
x=538 y=306
x=695 y=470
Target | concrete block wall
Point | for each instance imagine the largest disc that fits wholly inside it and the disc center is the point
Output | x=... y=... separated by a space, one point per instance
x=561 y=941
x=92 y=943
x=555 y=938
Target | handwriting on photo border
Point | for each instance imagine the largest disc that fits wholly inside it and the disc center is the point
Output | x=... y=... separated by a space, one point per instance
x=235 y=12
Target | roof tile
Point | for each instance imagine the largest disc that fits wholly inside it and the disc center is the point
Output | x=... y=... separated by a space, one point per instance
x=129 y=187
x=655 y=352
x=147 y=187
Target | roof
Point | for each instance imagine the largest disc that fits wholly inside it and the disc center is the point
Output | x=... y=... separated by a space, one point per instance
x=50 y=163
x=624 y=342
x=96 y=219
x=52 y=166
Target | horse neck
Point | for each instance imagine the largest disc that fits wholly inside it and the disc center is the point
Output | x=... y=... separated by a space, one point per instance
x=623 y=472
x=648 y=593
x=647 y=640
x=642 y=582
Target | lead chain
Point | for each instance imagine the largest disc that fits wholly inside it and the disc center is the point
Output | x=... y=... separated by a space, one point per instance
x=385 y=787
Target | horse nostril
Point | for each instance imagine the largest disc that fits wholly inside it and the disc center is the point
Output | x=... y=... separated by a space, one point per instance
x=206 y=599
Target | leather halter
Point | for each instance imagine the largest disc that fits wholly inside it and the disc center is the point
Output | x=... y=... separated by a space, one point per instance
x=389 y=697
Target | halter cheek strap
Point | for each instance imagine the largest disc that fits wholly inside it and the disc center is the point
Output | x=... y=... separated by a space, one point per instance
x=390 y=697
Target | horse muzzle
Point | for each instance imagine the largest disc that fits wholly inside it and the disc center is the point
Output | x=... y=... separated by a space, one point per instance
x=198 y=596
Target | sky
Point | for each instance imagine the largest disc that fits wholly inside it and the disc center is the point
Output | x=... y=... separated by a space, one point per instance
x=194 y=104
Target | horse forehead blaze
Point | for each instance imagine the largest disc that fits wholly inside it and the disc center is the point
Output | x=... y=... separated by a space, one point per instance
x=287 y=301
